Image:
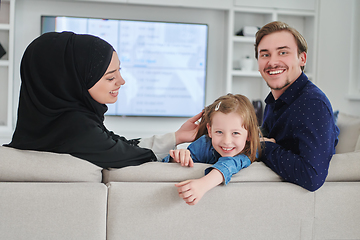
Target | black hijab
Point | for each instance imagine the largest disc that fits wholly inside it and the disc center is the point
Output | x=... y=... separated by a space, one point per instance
x=56 y=112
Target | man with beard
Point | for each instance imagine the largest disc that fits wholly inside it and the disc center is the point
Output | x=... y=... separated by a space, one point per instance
x=299 y=130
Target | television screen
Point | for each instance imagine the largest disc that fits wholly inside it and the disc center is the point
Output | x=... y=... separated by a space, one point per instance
x=163 y=63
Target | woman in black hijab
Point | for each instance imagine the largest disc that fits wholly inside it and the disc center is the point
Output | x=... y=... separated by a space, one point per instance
x=66 y=80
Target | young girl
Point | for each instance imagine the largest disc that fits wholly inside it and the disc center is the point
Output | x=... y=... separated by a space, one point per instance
x=228 y=138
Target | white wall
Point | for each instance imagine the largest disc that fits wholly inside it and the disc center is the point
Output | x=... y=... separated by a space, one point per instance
x=27 y=27
x=334 y=53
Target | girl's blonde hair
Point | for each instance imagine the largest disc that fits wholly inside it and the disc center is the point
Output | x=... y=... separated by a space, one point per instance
x=239 y=104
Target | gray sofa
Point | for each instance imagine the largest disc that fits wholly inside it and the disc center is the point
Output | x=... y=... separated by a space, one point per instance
x=56 y=196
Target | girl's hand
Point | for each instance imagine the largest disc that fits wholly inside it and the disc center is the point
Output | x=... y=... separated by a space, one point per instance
x=191 y=191
x=182 y=156
x=188 y=130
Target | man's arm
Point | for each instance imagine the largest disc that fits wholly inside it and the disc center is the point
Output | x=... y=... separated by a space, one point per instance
x=314 y=135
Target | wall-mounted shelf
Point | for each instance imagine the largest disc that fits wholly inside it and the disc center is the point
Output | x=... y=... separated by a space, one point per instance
x=241 y=73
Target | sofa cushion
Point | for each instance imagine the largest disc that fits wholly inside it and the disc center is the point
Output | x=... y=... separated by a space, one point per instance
x=336 y=214
x=33 y=166
x=349 y=133
x=174 y=172
x=56 y=211
x=253 y=210
x=357 y=147
x=344 y=167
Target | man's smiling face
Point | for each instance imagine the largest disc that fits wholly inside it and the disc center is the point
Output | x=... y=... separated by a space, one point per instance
x=279 y=62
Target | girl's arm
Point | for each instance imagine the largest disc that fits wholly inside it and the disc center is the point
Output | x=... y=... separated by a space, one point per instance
x=229 y=166
x=197 y=151
x=193 y=190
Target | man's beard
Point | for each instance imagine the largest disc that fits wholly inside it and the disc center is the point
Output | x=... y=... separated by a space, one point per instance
x=287 y=83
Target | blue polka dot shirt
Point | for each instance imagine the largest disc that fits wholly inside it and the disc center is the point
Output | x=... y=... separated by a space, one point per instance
x=302 y=123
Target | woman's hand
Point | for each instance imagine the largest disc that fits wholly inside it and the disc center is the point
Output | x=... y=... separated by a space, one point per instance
x=182 y=156
x=188 y=130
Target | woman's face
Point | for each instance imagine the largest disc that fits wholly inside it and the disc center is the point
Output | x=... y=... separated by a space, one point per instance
x=106 y=90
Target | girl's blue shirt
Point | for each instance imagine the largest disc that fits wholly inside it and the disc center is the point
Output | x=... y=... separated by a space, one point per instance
x=202 y=151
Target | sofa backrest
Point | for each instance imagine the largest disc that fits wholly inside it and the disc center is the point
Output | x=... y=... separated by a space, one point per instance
x=33 y=166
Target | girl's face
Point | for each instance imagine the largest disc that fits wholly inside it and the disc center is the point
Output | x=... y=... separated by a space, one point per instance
x=227 y=134
x=106 y=90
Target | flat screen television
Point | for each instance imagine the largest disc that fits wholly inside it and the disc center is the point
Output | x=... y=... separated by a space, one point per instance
x=163 y=63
